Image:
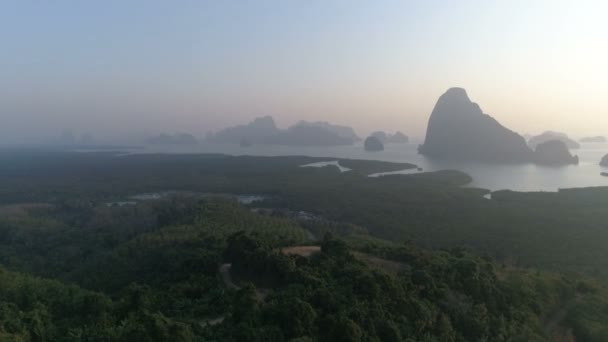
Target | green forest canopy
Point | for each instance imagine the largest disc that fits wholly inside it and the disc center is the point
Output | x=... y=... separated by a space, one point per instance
x=390 y=264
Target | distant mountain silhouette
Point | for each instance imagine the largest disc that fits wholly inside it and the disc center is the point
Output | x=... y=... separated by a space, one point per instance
x=373 y=144
x=307 y=136
x=380 y=135
x=264 y=131
x=597 y=139
x=176 y=139
x=398 y=138
x=342 y=131
x=459 y=130
x=387 y=138
x=554 y=152
x=550 y=135
x=254 y=132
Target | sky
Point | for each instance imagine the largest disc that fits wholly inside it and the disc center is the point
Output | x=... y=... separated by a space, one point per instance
x=133 y=68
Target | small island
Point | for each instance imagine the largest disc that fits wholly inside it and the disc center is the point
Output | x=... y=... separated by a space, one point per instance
x=550 y=135
x=554 y=152
x=373 y=144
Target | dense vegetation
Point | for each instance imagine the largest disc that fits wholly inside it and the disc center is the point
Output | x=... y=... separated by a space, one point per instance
x=382 y=258
x=163 y=281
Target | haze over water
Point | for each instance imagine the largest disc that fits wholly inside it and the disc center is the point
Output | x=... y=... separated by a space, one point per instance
x=127 y=70
x=518 y=177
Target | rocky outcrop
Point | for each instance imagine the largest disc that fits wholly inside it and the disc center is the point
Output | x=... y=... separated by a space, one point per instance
x=554 y=152
x=459 y=130
x=373 y=144
x=604 y=161
x=597 y=139
x=550 y=135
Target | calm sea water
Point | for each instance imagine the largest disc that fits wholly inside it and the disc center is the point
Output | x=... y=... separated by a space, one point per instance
x=521 y=177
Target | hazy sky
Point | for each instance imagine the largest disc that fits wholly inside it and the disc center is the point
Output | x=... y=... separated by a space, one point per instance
x=113 y=67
